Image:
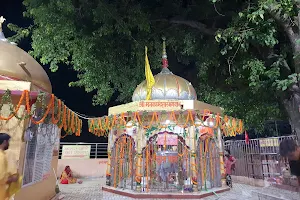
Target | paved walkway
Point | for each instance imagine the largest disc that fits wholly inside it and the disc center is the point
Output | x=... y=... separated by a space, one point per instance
x=91 y=190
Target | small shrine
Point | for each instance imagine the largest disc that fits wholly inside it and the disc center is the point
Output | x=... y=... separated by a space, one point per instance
x=33 y=117
x=170 y=146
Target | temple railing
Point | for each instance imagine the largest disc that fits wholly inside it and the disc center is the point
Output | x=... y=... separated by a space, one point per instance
x=259 y=158
x=98 y=150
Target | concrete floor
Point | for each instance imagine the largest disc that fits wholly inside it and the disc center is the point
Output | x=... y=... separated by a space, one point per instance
x=90 y=189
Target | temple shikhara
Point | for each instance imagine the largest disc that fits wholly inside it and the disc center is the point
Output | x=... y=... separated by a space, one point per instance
x=165 y=143
x=33 y=117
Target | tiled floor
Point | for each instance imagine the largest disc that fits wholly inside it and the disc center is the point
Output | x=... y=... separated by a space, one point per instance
x=88 y=190
x=91 y=190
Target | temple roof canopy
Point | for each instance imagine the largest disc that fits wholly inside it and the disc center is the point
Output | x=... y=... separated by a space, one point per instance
x=16 y=64
x=164 y=105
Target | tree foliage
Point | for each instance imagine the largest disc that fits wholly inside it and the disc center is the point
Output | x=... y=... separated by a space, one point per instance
x=240 y=55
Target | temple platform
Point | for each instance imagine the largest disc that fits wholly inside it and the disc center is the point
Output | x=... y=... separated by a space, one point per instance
x=91 y=189
x=165 y=195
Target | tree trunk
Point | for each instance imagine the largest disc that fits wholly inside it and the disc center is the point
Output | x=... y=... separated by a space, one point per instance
x=292 y=108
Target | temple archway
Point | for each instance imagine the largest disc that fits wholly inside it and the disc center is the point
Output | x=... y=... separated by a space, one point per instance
x=208 y=163
x=122 y=158
x=166 y=161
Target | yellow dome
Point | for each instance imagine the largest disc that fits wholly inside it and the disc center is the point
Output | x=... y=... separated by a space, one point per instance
x=167 y=87
x=16 y=64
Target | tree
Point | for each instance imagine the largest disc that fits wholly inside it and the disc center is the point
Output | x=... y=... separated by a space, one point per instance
x=269 y=31
x=239 y=55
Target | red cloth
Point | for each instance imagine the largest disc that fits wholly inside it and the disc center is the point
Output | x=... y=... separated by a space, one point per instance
x=229 y=164
x=246 y=137
x=67 y=169
x=64 y=181
x=232 y=159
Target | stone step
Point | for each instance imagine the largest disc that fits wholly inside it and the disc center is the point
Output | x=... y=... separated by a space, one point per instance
x=269 y=193
x=264 y=196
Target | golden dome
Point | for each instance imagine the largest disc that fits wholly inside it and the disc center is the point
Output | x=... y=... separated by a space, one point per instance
x=16 y=64
x=167 y=86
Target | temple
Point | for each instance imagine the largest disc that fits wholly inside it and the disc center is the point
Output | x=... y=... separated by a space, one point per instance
x=33 y=117
x=164 y=144
x=168 y=146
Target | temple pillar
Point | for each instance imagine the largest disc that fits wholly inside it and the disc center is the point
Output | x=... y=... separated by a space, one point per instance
x=108 y=167
x=221 y=153
x=138 y=160
x=111 y=140
x=194 y=171
x=193 y=140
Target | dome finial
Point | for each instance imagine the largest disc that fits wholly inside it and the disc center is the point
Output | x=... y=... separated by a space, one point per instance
x=2 y=37
x=164 y=54
x=2 y=20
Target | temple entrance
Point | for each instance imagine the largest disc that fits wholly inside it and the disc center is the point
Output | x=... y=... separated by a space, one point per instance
x=166 y=161
x=208 y=164
x=123 y=172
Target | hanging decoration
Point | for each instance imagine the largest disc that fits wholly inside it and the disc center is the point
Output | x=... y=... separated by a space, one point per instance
x=47 y=108
x=156 y=120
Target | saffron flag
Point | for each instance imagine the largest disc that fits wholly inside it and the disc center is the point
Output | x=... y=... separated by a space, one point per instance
x=149 y=76
x=246 y=137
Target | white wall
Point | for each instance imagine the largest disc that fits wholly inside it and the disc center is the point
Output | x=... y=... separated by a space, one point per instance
x=83 y=168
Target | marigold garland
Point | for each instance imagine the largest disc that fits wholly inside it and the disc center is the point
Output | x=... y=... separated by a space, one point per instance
x=13 y=113
x=60 y=114
x=229 y=126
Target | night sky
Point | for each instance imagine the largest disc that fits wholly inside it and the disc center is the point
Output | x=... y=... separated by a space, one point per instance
x=75 y=98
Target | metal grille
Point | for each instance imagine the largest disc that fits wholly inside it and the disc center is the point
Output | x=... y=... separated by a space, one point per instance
x=39 y=152
x=162 y=167
x=98 y=150
x=165 y=167
x=209 y=172
x=259 y=158
x=29 y=161
x=122 y=162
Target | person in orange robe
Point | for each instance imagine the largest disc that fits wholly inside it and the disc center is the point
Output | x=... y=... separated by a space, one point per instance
x=67 y=176
x=6 y=178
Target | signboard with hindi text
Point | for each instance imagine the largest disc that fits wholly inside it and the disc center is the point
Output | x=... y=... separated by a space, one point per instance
x=269 y=142
x=160 y=104
x=76 y=152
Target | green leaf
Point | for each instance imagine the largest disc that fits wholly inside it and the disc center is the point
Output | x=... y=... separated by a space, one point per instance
x=284 y=88
x=261 y=16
